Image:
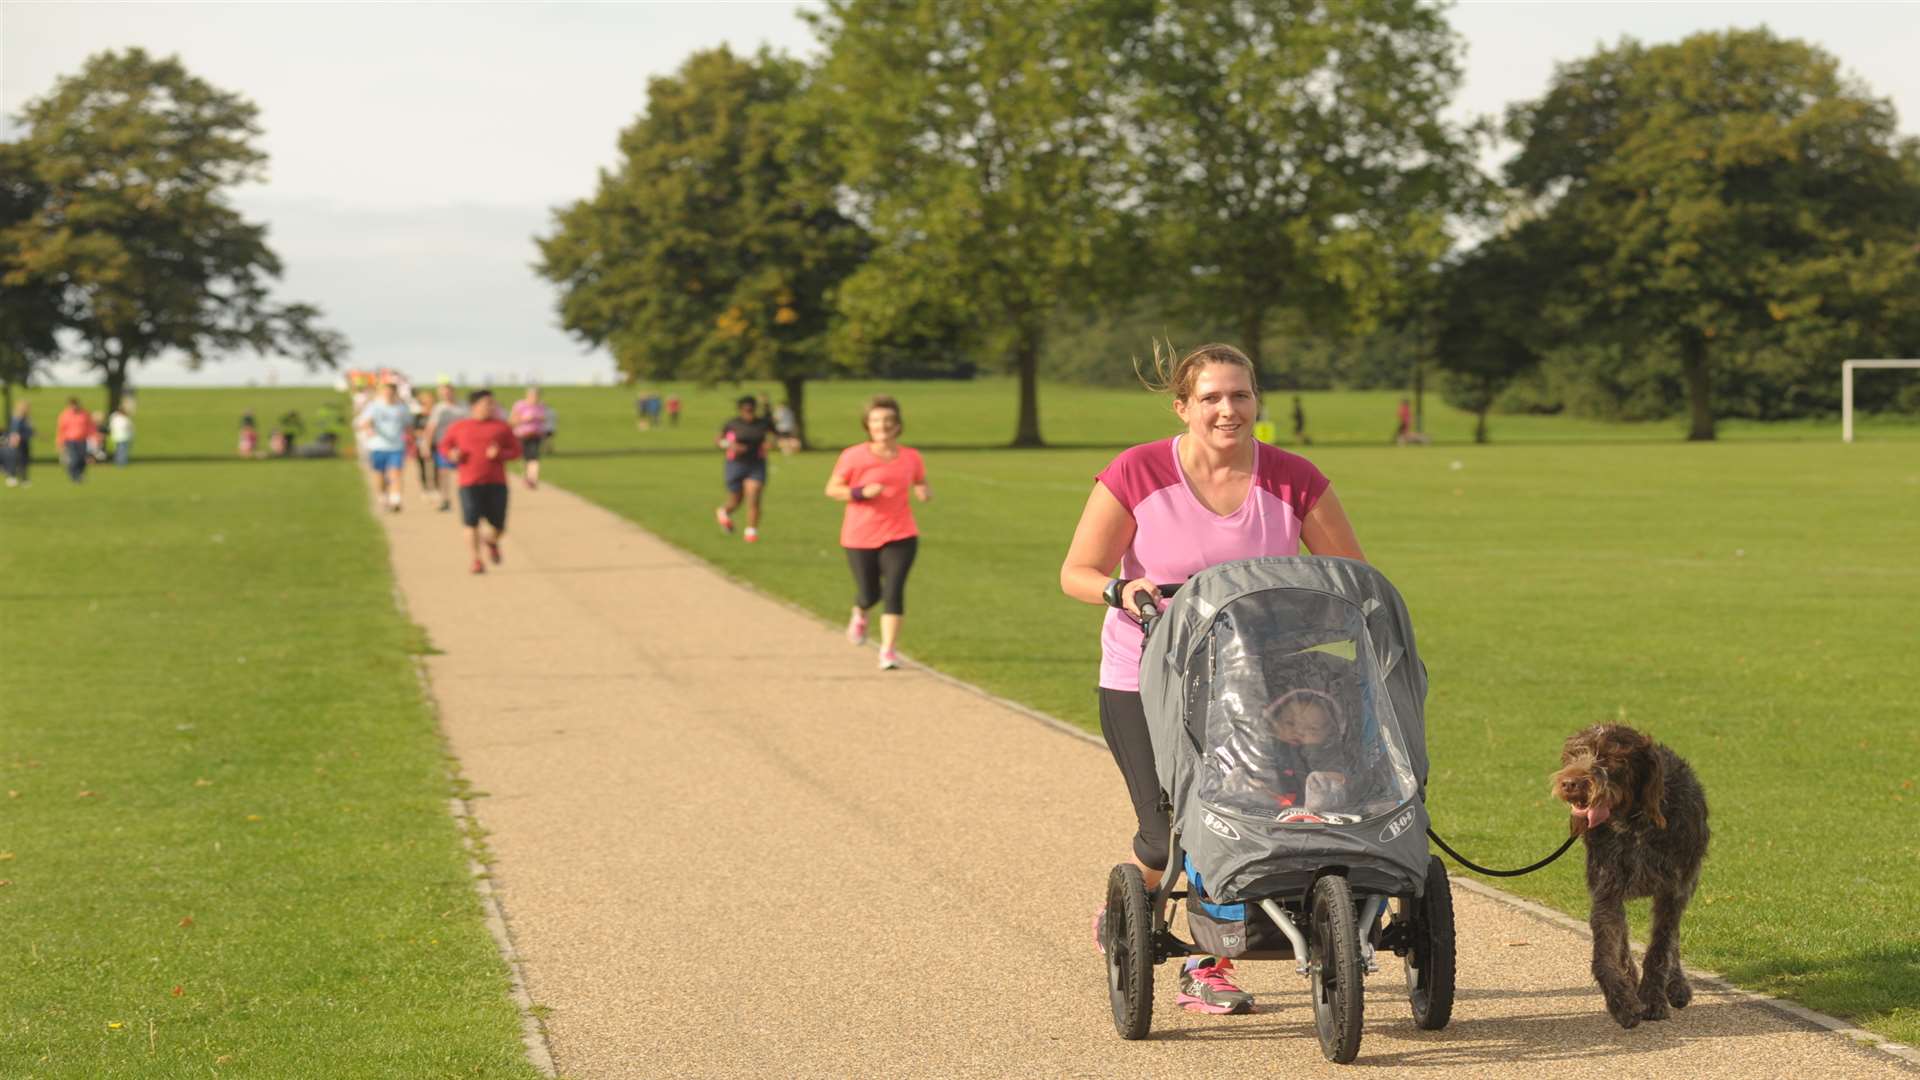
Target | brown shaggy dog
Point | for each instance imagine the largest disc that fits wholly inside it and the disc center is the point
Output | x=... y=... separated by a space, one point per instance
x=1643 y=816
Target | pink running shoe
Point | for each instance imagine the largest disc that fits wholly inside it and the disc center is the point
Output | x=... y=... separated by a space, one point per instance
x=725 y=519
x=889 y=660
x=1209 y=989
x=752 y=535
x=857 y=628
x=1100 y=929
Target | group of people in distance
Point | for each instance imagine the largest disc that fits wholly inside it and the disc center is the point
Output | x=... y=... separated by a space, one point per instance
x=464 y=447
x=874 y=478
x=83 y=438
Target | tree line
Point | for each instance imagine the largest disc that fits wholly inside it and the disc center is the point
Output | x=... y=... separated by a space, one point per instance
x=118 y=241
x=1707 y=226
x=1043 y=185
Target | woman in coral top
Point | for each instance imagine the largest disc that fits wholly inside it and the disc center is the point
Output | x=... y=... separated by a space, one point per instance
x=877 y=530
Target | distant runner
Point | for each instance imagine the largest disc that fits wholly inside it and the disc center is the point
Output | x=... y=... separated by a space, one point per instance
x=383 y=425
x=744 y=438
x=480 y=446
x=531 y=421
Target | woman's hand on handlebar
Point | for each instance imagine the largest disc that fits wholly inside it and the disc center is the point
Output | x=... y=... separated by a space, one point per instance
x=1128 y=592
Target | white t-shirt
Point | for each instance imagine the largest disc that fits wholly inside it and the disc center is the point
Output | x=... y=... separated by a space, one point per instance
x=389 y=423
x=120 y=427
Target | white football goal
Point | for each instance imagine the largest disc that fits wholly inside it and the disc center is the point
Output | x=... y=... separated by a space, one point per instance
x=1846 y=388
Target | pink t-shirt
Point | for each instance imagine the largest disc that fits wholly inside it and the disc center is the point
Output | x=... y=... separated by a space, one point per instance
x=881 y=520
x=1176 y=536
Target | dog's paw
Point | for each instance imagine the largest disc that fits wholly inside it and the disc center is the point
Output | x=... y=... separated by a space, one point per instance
x=1626 y=1012
x=1654 y=1008
x=1679 y=992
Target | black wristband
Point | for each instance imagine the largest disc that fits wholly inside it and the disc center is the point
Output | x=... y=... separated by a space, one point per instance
x=858 y=494
x=1112 y=592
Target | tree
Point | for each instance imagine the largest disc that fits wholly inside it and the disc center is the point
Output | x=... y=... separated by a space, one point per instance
x=30 y=309
x=1735 y=203
x=1489 y=309
x=1291 y=155
x=135 y=157
x=713 y=253
x=980 y=146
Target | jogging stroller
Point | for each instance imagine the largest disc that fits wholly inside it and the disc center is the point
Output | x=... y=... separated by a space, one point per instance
x=1284 y=699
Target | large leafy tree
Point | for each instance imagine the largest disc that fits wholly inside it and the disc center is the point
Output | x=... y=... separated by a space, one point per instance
x=980 y=144
x=1486 y=321
x=1293 y=155
x=714 y=250
x=134 y=159
x=30 y=309
x=1734 y=203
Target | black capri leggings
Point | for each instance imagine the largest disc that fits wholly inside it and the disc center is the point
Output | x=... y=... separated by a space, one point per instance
x=881 y=574
x=1123 y=720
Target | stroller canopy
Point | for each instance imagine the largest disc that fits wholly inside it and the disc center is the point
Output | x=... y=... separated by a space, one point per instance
x=1285 y=703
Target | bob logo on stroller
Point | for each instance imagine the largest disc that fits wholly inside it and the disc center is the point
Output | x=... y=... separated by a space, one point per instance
x=1286 y=706
x=1212 y=821
x=1397 y=825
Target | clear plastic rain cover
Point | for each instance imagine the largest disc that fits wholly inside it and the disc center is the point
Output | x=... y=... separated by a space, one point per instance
x=1299 y=728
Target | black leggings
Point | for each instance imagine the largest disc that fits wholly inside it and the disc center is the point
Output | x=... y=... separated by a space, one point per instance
x=1123 y=720
x=881 y=573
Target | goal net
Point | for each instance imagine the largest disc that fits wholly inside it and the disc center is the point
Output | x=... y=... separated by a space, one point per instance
x=1846 y=388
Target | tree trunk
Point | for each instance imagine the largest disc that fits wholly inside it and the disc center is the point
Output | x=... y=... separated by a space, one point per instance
x=1420 y=398
x=1699 y=389
x=116 y=369
x=796 y=388
x=6 y=401
x=1253 y=323
x=1480 y=426
x=1027 y=361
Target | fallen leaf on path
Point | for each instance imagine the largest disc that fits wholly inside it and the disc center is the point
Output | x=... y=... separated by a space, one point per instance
x=186 y=920
x=1517 y=944
x=85 y=795
x=178 y=990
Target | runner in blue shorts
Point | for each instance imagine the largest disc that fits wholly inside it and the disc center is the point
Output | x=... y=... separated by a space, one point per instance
x=744 y=438
x=383 y=427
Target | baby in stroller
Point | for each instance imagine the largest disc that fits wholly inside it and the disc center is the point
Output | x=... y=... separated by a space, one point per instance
x=1295 y=761
x=1311 y=761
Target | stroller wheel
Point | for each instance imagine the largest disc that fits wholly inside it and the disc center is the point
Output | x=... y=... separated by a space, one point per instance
x=1128 y=942
x=1429 y=962
x=1338 y=1004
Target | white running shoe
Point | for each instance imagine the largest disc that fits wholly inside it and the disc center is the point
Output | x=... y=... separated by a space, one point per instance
x=889 y=660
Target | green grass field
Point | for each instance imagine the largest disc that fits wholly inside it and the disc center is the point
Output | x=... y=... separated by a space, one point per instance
x=224 y=836
x=1750 y=602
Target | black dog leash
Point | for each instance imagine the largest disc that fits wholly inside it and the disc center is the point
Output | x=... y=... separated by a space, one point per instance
x=1477 y=868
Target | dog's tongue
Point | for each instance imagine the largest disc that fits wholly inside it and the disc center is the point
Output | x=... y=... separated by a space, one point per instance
x=1595 y=814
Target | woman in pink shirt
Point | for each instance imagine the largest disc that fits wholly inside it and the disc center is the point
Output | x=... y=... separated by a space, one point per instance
x=877 y=529
x=1162 y=512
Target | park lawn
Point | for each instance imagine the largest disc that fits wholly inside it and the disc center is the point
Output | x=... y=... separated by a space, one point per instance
x=224 y=835
x=1752 y=602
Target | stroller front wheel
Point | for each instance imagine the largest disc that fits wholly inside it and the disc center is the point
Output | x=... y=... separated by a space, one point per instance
x=1335 y=973
x=1127 y=940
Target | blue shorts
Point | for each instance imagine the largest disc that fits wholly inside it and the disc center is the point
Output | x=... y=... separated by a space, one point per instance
x=739 y=472
x=440 y=462
x=386 y=460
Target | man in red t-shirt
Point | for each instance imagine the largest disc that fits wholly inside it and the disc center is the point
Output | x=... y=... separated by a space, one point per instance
x=480 y=446
x=74 y=430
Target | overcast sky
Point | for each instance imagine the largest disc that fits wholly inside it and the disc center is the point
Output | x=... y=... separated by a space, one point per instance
x=417 y=149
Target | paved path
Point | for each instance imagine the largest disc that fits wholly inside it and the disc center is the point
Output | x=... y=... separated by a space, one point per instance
x=728 y=846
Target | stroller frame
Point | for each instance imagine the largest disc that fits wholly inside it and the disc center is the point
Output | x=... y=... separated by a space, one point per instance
x=1333 y=932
